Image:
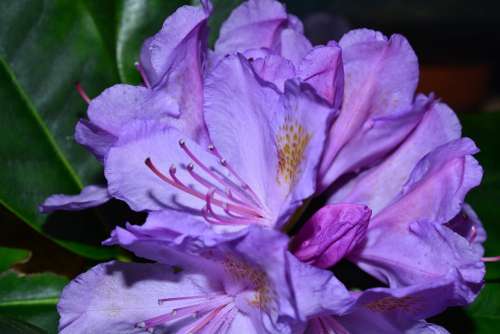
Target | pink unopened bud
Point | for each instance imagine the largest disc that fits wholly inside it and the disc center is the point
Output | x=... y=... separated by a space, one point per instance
x=331 y=234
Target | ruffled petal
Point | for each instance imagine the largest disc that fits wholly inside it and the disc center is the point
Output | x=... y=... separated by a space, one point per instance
x=95 y=139
x=254 y=24
x=182 y=35
x=89 y=197
x=437 y=186
x=322 y=68
x=114 y=297
x=274 y=69
x=421 y=247
x=394 y=311
x=380 y=80
x=468 y=225
x=422 y=252
x=377 y=187
x=294 y=45
x=331 y=233
x=316 y=291
x=173 y=60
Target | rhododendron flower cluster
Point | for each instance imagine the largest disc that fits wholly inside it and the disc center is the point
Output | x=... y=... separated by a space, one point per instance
x=224 y=148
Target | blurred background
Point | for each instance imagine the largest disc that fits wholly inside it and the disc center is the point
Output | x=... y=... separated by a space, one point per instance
x=457 y=41
x=46 y=46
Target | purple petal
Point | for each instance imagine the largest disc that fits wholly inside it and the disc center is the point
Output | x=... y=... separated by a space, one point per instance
x=132 y=181
x=468 y=225
x=384 y=310
x=317 y=291
x=232 y=92
x=380 y=80
x=90 y=196
x=173 y=60
x=261 y=118
x=182 y=35
x=114 y=297
x=274 y=69
x=322 y=69
x=254 y=24
x=163 y=248
x=424 y=252
x=331 y=233
x=95 y=139
x=436 y=188
x=379 y=186
x=181 y=228
x=425 y=249
x=121 y=104
x=299 y=179
x=294 y=45
x=268 y=249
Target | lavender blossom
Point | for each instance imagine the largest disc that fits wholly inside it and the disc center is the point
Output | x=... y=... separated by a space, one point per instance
x=239 y=286
x=418 y=232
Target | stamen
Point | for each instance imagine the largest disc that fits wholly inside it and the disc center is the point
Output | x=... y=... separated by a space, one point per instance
x=222 y=317
x=82 y=93
x=139 y=68
x=244 y=185
x=209 y=171
x=491 y=259
x=202 y=322
x=185 y=311
x=207 y=296
x=175 y=182
x=210 y=199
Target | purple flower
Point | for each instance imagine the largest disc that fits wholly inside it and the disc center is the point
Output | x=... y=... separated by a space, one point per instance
x=258 y=169
x=377 y=310
x=418 y=232
x=331 y=234
x=184 y=83
x=240 y=286
x=391 y=311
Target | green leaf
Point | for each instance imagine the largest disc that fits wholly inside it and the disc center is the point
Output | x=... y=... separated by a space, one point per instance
x=46 y=46
x=10 y=325
x=485 y=312
x=32 y=298
x=11 y=256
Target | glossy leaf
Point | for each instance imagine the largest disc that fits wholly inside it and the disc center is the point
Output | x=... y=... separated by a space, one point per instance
x=485 y=312
x=32 y=298
x=45 y=48
x=10 y=325
x=11 y=256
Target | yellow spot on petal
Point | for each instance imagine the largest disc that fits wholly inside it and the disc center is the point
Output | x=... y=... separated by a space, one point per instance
x=387 y=304
x=256 y=278
x=292 y=141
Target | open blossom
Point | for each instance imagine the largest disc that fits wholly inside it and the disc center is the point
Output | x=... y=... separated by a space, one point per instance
x=221 y=147
x=240 y=286
x=420 y=229
x=192 y=93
